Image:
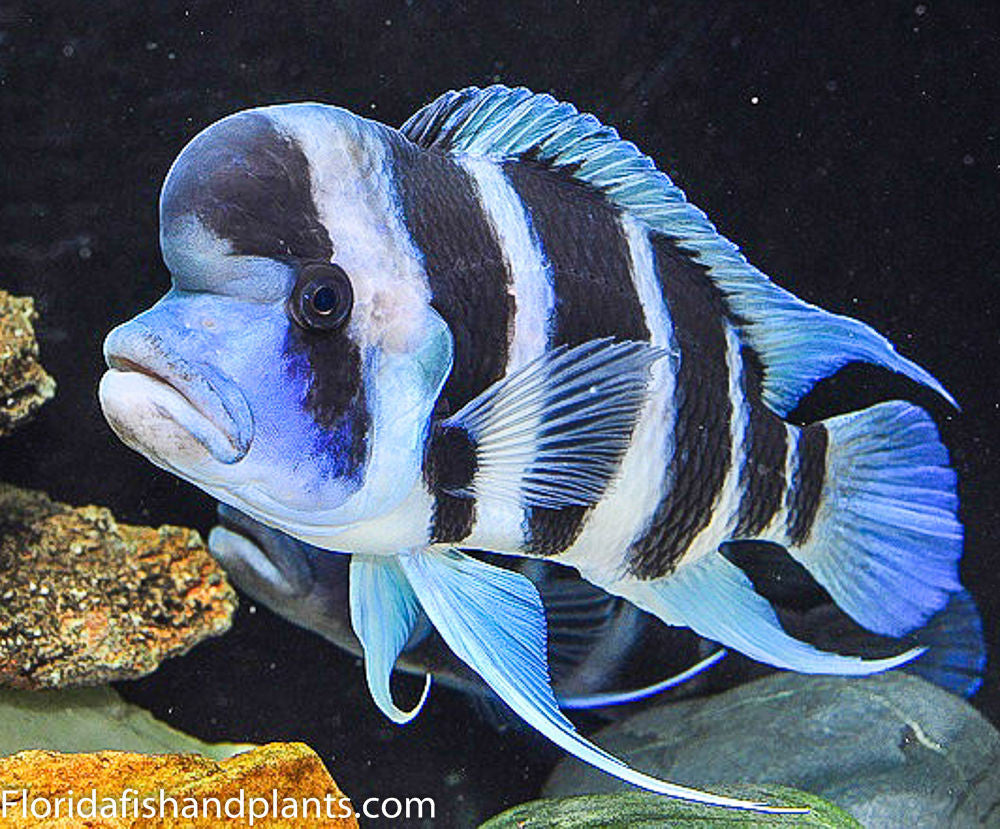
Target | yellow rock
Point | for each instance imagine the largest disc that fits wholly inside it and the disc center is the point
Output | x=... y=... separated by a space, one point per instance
x=276 y=785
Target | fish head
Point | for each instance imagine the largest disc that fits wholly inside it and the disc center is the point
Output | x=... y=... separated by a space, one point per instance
x=292 y=367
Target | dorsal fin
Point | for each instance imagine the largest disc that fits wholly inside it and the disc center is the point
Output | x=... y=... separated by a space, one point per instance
x=798 y=343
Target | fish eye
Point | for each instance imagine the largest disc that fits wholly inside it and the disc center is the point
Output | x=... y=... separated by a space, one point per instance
x=322 y=298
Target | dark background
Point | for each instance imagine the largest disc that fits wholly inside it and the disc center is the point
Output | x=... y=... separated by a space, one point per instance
x=851 y=149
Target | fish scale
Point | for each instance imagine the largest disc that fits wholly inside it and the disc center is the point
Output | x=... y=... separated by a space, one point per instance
x=701 y=449
x=762 y=475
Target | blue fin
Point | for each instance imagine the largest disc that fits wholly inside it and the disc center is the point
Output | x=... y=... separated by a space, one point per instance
x=956 y=651
x=552 y=433
x=798 y=344
x=602 y=700
x=886 y=541
x=492 y=618
x=384 y=612
x=714 y=598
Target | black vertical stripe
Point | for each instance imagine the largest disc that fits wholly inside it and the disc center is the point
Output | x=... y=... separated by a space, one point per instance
x=330 y=365
x=762 y=477
x=806 y=485
x=450 y=464
x=468 y=279
x=251 y=185
x=581 y=237
x=697 y=469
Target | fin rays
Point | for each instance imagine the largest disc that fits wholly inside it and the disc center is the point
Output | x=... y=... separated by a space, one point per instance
x=494 y=621
x=798 y=343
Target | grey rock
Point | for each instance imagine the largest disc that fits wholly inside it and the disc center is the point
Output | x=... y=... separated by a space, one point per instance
x=893 y=750
x=88 y=720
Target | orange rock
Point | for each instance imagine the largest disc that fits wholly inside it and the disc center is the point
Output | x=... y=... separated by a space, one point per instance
x=273 y=786
x=86 y=600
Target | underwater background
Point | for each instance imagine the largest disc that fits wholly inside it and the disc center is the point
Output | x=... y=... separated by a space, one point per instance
x=852 y=152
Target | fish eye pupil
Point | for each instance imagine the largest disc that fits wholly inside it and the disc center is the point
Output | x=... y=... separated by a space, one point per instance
x=324 y=301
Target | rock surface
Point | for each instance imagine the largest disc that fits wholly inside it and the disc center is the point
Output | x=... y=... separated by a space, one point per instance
x=85 y=600
x=282 y=774
x=92 y=719
x=24 y=385
x=641 y=810
x=892 y=750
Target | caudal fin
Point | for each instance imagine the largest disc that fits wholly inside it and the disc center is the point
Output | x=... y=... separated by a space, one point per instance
x=885 y=539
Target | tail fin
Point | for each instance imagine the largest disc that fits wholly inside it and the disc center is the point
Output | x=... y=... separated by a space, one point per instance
x=885 y=541
x=956 y=651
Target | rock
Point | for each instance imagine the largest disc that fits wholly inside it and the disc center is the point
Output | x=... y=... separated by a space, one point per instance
x=91 y=719
x=891 y=749
x=642 y=810
x=24 y=385
x=85 y=600
x=129 y=788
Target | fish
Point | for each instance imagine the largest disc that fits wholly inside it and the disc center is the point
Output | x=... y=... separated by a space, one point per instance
x=595 y=641
x=501 y=328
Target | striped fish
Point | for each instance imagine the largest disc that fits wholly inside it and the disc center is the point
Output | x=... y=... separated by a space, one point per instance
x=501 y=328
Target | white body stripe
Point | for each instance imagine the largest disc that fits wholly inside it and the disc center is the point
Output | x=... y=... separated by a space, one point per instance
x=498 y=523
x=531 y=283
x=725 y=510
x=631 y=500
x=776 y=530
x=355 y=198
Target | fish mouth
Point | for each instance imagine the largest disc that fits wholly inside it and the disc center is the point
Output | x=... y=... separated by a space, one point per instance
x=159 y=403
x=274 y=557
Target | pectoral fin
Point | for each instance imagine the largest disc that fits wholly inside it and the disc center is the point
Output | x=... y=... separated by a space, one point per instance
x=552 y=433
x=384 y=611
x=493 y=619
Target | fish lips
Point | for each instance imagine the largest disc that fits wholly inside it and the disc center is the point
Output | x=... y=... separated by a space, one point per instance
x=151 y=393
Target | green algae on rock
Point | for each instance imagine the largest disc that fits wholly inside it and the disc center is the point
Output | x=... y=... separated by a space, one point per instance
x=92 y=719
x=643 y=810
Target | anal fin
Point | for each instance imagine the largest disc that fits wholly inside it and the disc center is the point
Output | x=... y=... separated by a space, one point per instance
x=714 y=598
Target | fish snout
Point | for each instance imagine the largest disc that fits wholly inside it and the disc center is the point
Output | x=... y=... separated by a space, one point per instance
x=148 y=380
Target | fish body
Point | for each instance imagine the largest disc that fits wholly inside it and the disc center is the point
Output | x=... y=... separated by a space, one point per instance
x=597 y=644
x=500 y=328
